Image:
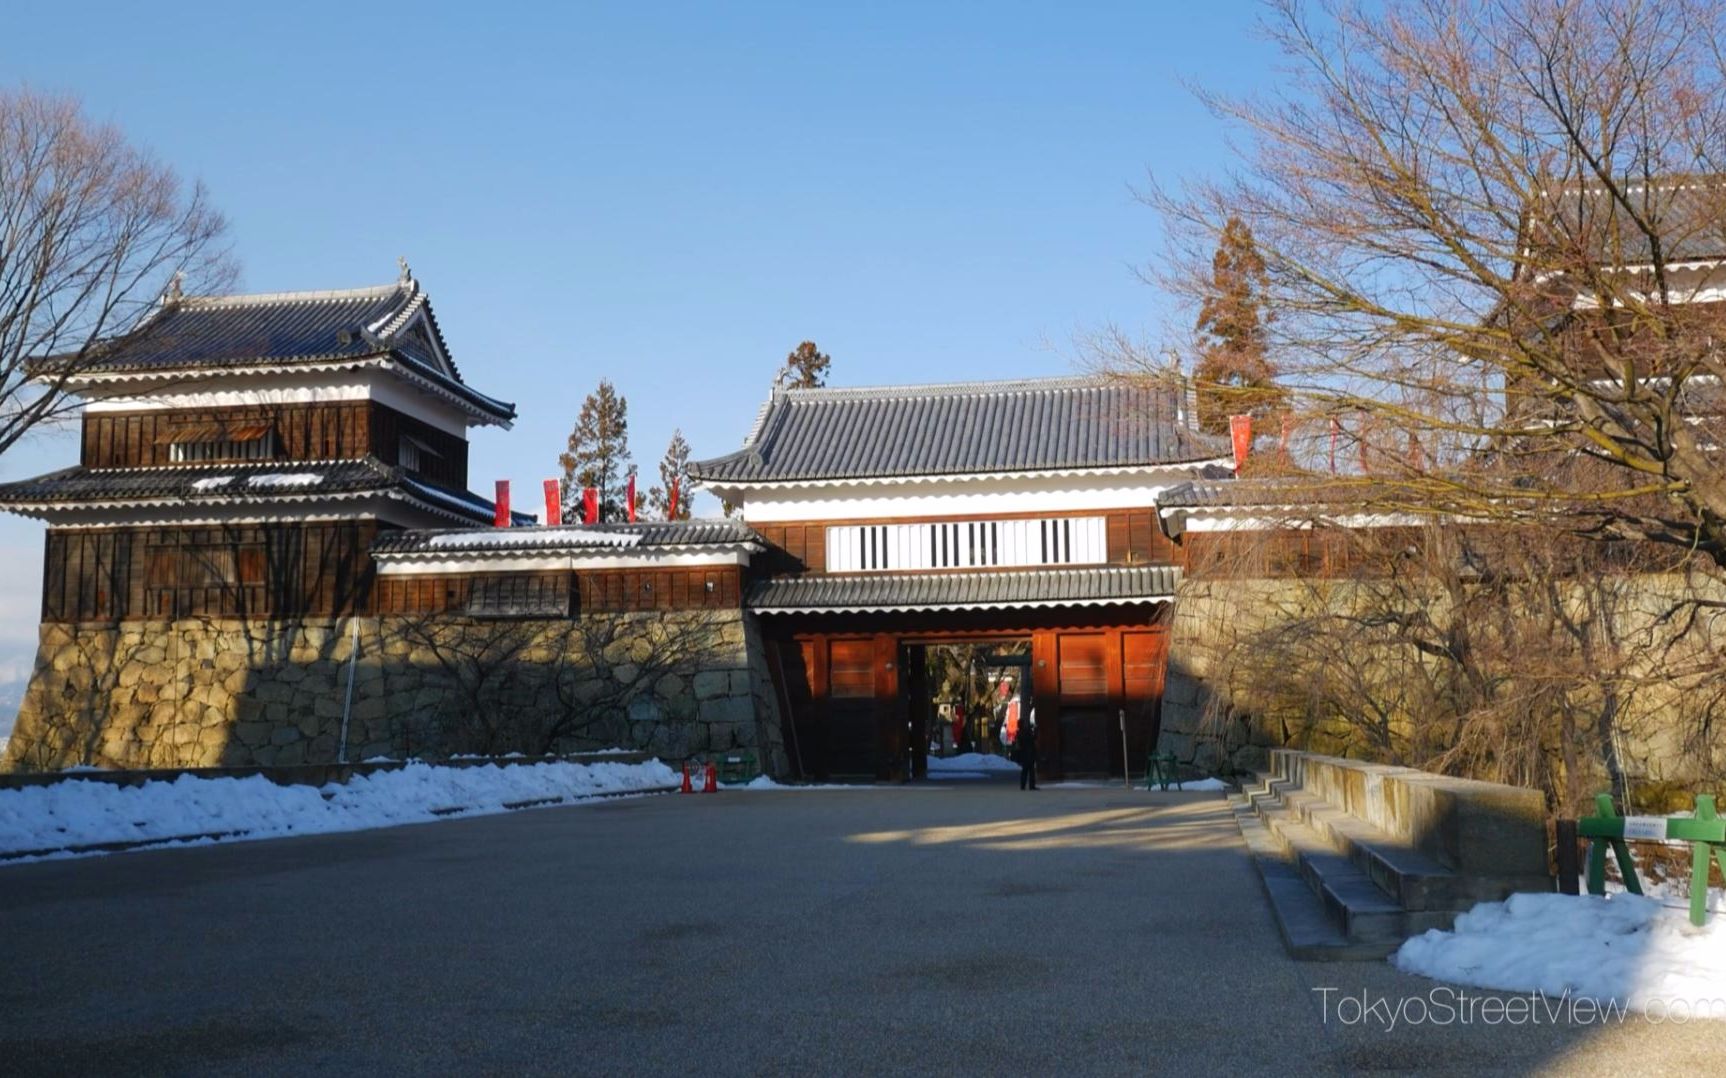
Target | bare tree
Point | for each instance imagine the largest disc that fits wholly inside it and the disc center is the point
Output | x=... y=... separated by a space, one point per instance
x=540 y=684
x=93 y=233
x=611 y=661
x=1491 y=238
x=1519 y=655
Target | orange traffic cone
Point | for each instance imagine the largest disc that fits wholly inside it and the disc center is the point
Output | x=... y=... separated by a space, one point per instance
x=712 y=786
x=687 y=787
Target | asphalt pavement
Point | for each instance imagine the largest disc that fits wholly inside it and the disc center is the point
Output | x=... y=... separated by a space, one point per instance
x=958 y=928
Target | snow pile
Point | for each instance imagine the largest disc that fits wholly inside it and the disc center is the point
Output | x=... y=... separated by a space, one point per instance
x=970 y=763
x=763 y=782
x=214 y=482
x=1203 y=785
x=286 y=479
x=1639 y=951
x=81 y=813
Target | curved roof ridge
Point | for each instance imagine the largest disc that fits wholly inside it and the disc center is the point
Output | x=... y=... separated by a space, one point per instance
x=246 y=299
x=915 y=389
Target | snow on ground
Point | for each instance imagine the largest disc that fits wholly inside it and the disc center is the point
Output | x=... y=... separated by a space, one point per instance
x=971 y=763
x=1203 y=784
x=80 y=813
x=1640 y=952
x=764 y=782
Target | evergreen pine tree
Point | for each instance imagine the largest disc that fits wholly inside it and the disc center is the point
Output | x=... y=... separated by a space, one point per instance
x=1234 y=372
x=805 y=368
x=673 y=468
x=598 y=454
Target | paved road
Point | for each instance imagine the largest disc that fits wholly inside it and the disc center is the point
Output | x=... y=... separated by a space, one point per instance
x=932 y=930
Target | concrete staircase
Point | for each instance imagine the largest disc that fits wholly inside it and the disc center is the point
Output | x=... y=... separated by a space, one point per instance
x=1343 y=889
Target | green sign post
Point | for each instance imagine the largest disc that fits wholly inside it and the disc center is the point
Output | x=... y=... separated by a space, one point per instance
x=1706 y=833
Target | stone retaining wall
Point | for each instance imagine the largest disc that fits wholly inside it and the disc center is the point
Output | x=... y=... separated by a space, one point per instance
x=1222 y=719
x=1475 y=828
x=225 y=693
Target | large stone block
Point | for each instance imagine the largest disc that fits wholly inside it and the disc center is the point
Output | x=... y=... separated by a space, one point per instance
x=712 y=683
x=734 y=710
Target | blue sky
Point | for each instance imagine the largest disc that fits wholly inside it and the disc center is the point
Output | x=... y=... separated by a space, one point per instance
x=670 y=196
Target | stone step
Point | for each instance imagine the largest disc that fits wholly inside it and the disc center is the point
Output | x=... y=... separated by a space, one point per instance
x=1354 y=902
x=1307 y=925
x=1414 y=880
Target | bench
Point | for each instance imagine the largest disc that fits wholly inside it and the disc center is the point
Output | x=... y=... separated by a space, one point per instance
x=1160 y=769
x=737 y=766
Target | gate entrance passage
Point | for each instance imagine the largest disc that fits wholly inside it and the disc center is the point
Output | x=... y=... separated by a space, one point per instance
x=964 y=700
x=873 y=697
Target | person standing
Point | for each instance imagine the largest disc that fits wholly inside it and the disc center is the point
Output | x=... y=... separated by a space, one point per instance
x=1025 y=752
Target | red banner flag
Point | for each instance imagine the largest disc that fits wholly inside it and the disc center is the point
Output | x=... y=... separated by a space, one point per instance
x=553 y=504
x=1241 y=434
x=629 y=495
x=671 y=507
x=590 y=506
x=501 y=520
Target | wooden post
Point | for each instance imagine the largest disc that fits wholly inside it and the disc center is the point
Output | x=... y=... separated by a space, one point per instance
x=1566 y=856
x=1700 y=853
x=1126 y=764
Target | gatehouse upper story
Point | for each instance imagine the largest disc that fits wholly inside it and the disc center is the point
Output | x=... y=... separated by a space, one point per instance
x=1023 y=474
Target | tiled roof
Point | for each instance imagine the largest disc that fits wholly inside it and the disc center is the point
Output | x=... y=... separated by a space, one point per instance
x=963 y=591
x=227 y=484
x=1689 y=214
x=1037 y=425
x=647 y=534
x=286 y=328
x=1268 y=493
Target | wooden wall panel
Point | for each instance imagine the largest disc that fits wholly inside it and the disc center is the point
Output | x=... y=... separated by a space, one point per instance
x=1084 y=664
x=226 y=571
x=851 y=669
x=607 y=591
x=338 y=430
x=446 y=464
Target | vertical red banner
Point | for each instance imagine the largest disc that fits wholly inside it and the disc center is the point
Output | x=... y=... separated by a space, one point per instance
x=590 y=506
x=1241 y=434
x=629 y=497
x=671 y=506
x=501 y=520
x=553 y=503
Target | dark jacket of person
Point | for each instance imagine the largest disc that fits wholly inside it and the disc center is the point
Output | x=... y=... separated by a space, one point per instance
x=1025 y=748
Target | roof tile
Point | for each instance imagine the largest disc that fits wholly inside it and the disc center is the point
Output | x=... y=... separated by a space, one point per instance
x=1050 y=424
x=954 y=591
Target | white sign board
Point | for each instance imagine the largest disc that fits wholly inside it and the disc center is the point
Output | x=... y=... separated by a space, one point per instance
x=1645 y=827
